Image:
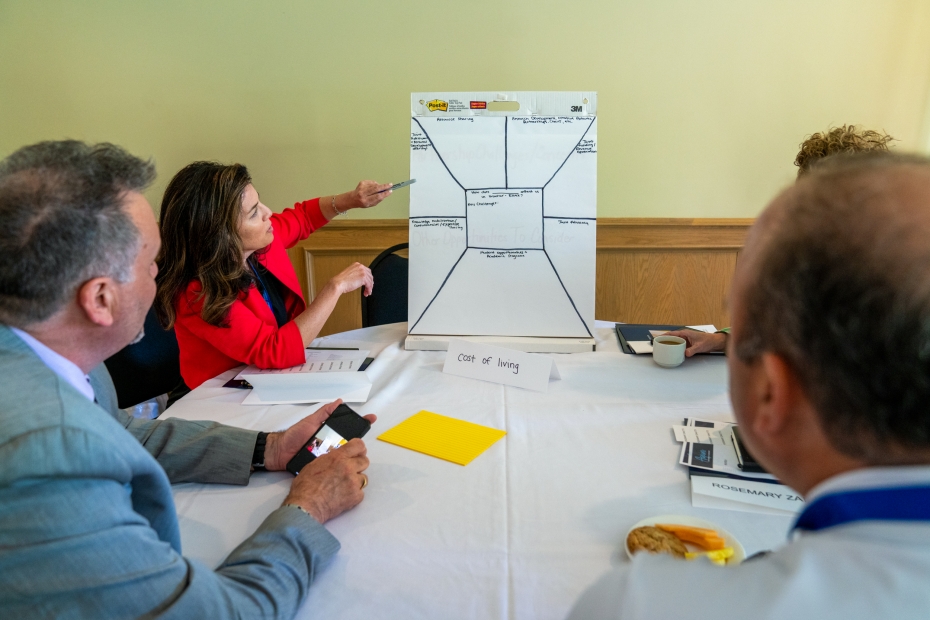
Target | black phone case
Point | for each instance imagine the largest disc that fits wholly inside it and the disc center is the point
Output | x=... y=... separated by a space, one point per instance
x=345 y=422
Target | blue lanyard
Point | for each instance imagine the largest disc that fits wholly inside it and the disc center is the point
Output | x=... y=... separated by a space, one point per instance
x=894 y=504
x=263 y=289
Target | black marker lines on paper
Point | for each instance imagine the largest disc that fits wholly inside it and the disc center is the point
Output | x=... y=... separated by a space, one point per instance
x=572 y=151
x=543 y=217
x=435 y=150
x=440 y=290
x=572 y=301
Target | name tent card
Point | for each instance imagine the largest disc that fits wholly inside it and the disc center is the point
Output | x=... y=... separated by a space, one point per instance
x=530 y=371
x=744 y=495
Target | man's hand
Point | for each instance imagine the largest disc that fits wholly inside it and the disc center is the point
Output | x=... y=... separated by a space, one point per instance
x=700 y=342
x=331 y=484
x=281 y=447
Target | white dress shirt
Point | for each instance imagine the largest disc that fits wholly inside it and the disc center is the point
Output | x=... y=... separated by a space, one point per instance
x=60 y=365
x=862 y=569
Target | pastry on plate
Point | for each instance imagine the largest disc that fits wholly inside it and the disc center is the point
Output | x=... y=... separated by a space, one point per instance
x=654 y=540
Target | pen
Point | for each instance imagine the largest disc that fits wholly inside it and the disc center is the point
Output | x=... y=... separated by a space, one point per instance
x=395 y=186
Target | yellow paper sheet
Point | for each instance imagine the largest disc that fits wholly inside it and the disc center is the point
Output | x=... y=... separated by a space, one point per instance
x=443 y=437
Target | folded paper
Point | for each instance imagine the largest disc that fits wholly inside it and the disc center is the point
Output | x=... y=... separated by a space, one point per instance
x=475 y=360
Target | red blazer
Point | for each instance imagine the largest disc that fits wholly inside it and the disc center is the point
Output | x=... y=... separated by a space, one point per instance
x=252 y=335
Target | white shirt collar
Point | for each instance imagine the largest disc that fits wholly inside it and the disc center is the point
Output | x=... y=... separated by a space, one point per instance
x=60 y=365
x=870 y=478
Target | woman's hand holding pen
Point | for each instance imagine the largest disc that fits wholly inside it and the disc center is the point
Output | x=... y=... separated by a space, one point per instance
x=366 y=195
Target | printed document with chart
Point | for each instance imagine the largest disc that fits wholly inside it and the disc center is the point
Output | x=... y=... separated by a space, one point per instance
x=503 y=213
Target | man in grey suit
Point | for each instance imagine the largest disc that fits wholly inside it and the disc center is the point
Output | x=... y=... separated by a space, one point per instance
x=88 y=527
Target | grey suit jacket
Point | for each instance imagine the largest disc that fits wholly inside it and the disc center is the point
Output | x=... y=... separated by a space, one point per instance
x=88 y=527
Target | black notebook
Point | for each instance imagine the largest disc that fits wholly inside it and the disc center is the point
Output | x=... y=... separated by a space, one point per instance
x=639 y=332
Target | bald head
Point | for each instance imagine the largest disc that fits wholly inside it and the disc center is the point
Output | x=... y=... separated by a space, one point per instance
x=836 y=280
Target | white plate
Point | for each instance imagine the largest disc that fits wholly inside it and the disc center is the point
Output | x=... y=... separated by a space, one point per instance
x=739 y=554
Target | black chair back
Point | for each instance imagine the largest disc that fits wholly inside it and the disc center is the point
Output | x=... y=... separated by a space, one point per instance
x=147 y=369
x=388 y=302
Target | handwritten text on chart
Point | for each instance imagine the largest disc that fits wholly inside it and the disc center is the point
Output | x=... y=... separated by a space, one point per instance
x=450 y=223
x=503 y=253
x=418 y=142
x=551 y=120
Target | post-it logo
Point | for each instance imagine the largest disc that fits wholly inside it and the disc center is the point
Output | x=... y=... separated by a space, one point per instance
x=478 y=105
x=437 y=105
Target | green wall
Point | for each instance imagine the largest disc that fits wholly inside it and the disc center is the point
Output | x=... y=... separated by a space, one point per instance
x=702 y=103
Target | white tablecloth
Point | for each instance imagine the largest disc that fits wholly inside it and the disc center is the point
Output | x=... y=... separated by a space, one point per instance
x=522 y=530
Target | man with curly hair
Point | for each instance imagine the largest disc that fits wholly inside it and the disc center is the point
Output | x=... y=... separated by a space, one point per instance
x=845 y=139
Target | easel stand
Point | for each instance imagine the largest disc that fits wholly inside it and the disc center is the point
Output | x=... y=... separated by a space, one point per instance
x=518 y=343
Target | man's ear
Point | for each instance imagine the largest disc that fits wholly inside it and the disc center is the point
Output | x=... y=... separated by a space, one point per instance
x=778 y=397
x=97 y=298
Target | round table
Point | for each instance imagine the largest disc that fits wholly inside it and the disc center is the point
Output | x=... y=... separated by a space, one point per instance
x=523 y=529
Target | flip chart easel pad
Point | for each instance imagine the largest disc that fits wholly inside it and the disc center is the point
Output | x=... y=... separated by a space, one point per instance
x=445 y=438
x=503 y=214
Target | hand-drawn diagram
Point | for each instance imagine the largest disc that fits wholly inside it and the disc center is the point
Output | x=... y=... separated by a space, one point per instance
x=502 y=221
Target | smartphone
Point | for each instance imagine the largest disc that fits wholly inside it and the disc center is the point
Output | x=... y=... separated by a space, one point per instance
x=343 y=425
x=745 y=460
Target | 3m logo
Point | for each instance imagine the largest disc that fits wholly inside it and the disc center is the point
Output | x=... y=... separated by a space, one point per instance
x=478 y=105
x=576 y=108
x=436 y=104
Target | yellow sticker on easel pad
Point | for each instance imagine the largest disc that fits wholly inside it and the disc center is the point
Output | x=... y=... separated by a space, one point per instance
x=446 y=438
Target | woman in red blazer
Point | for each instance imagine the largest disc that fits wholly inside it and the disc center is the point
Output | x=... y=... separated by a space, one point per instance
x=225 y=281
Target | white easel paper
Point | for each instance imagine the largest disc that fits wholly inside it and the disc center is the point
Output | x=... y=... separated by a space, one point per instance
x=503 y=214
x=530 y=371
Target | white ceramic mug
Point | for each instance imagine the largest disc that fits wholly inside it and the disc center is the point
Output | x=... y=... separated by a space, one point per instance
x=668 y=351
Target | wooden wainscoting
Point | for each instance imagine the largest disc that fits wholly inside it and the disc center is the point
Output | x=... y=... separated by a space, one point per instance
x=648 y=269
x=333 y=248
x=666 y=270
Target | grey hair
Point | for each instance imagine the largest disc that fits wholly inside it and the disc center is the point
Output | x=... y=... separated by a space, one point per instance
x=841 y=290
x=61 y=204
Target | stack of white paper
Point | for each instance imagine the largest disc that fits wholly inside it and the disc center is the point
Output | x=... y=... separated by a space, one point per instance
x=326 y=376
x=708 y=444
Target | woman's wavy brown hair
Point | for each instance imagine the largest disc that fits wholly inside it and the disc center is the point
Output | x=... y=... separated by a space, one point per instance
x=200 y=240
x=845 y=139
